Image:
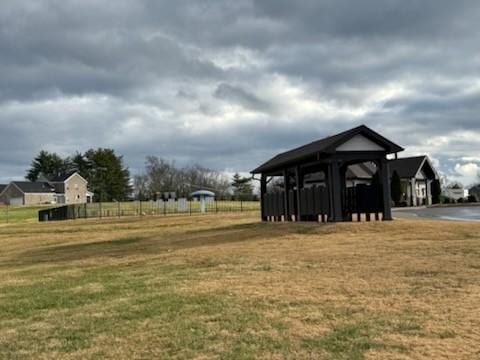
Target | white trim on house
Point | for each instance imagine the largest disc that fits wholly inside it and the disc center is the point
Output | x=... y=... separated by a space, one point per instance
x=426 y=159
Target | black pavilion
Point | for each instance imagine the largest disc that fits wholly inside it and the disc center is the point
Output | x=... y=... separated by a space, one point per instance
x=313 y=184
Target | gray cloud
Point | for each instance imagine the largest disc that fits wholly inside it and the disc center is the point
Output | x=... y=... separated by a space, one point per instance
x=228 y=84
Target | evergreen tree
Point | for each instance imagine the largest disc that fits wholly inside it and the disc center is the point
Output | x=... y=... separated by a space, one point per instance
x=436 y=191
x=46 y=164
x=242 y=187
x=80 y=164
x=107 y=176
x=396 y=188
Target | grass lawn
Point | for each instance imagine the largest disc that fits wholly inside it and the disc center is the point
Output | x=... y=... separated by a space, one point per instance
x=23 y=214
x=20 y=214
x=230 y=287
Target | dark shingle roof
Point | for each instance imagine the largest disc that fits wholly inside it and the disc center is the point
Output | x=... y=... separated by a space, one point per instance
x=2 y=187
x=325 y=145
x=62 y=177
x=406 y=167
x=34 y=187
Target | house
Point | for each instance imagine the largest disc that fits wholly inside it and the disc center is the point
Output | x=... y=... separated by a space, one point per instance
x=64 y=189
x=416 y=174
x=315 y=179
x=455 y=192
x=28 y=193
x=70 y=188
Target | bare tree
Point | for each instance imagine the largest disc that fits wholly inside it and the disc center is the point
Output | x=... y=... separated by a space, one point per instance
x=164 y=176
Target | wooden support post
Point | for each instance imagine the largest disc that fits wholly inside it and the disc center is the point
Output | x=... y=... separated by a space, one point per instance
x=285 y=201
x=298 y=217
x=263 y=191
x=385 y=179
x=335 y=189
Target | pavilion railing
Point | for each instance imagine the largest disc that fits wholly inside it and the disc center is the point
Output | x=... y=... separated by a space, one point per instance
x=361 y=201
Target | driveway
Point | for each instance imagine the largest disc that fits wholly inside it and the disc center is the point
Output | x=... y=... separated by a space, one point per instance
x=457 y=213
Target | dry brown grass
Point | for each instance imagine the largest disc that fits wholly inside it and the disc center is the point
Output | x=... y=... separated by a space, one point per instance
x=229 y=286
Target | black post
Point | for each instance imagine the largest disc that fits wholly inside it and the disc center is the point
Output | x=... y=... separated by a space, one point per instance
x=385 y=179
x=298 y=217
x=263 y=192
x=286 y=188
x=335 y=188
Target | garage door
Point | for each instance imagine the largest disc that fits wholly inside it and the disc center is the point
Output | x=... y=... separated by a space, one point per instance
x=16 y=201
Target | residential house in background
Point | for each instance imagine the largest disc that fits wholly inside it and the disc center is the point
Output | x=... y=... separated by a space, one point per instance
x=28 y=193
x=70 y=189
x=455 y=192
x=416 y=174
x=65 y=189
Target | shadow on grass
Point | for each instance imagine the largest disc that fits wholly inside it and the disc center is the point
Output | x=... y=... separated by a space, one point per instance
x=148 y=245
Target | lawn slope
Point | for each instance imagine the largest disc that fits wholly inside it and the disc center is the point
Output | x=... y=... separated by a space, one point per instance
x=231 y=287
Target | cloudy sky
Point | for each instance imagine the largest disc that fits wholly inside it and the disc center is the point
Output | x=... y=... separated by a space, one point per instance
x=230 y=83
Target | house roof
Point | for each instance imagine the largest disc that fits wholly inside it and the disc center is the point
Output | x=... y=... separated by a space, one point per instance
x=326 y=145
x=409 y=167
x=33 y=187
x=63 y=177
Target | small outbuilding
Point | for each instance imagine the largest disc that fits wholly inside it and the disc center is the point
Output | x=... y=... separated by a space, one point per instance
x=315 y=184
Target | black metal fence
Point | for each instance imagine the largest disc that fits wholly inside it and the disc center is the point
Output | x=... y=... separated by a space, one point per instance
x=144 y=208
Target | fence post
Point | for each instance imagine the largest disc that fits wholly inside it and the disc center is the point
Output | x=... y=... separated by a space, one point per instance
x=190 y=202
x=8 y=207
x=164 y=208
x=86 y=211
x=140 y=208
x=216 y=206
x=241 y=205
x=118 y=209
x=100 y=209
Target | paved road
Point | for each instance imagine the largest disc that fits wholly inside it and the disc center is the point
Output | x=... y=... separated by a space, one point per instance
x=458 y=213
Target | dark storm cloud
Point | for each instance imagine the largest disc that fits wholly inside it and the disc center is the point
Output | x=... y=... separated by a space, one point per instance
x=230 y=83
x=235 y=94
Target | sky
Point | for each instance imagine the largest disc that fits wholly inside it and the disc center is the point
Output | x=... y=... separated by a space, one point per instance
x=228 y=84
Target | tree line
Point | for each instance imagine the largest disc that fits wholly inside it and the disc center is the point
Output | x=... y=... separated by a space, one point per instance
x=163 y=176
x=109 y=179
